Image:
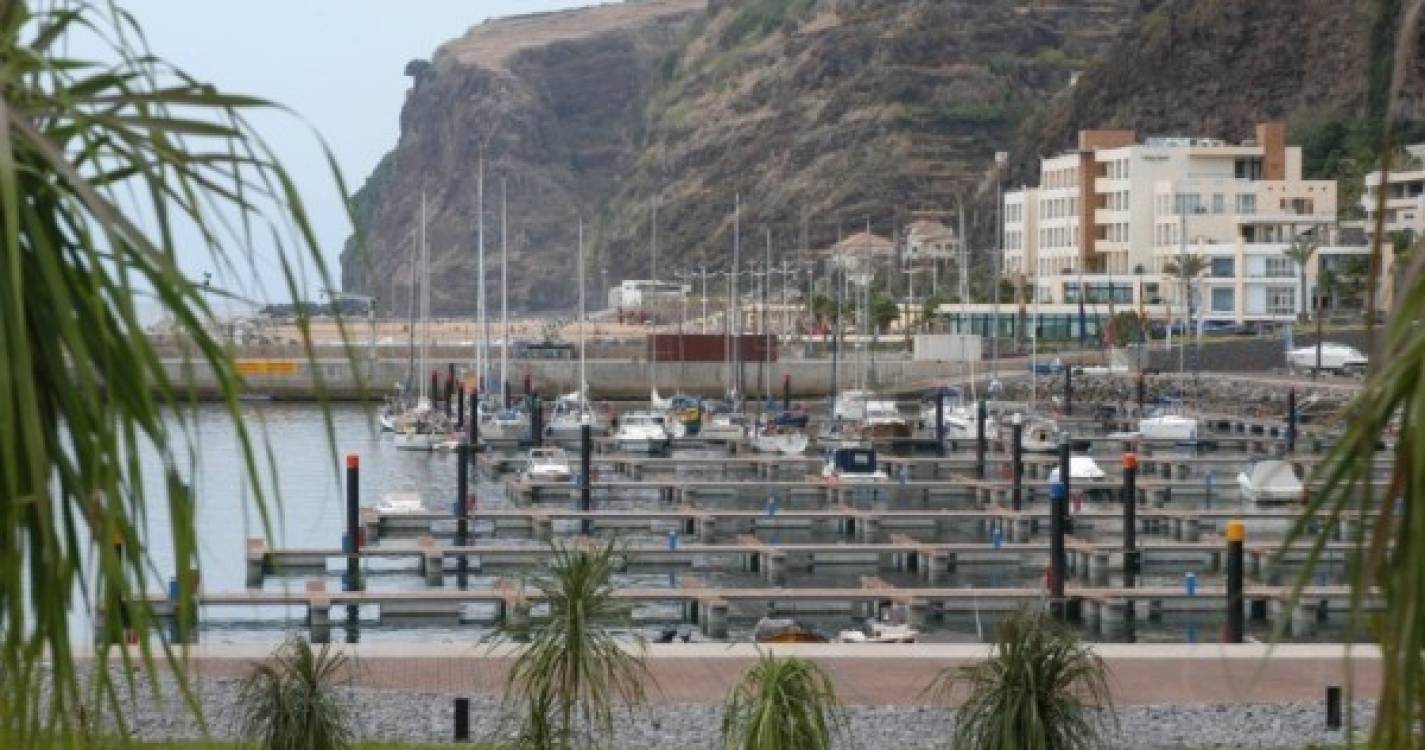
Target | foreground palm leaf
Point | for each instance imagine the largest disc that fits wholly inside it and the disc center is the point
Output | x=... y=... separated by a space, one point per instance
x=289 y=701
x=782 y=704
x=1388 y=560
x=574 y=671
x=102 y=166
x=1041 y=689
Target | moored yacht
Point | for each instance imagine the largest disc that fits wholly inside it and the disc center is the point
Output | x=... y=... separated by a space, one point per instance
x=642 y=432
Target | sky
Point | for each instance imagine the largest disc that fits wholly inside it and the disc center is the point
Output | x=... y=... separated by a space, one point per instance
x=337 y=64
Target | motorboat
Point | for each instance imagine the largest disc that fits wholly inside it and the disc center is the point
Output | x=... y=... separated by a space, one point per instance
x=571 y=412
x=506 y=423
x=879 y=632
x=642 y=432
x=1270 y=481
x=1041 y=435
x=794 y=416
x=1080 y=468
x=1168 y=427
x=851 y=405
x=853 y=466
x=1334 y=357
x=724 y=425
x=769 y=437
x=882 y=419
x=682 y=414
x=397 y=503
x=961 y=420
x=783 y=630
x=548 y=465
x=838 y=433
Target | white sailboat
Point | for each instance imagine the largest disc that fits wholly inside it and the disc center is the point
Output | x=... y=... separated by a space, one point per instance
x=573 y=411
x=499 y=419
x=422 y=427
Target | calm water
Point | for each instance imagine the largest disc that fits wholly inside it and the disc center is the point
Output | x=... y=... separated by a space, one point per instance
x=310 y=514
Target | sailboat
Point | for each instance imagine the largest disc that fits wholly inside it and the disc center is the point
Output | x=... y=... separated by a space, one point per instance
x=502 y=419
x=961 y=418
x=572 y=411
x=422 y=427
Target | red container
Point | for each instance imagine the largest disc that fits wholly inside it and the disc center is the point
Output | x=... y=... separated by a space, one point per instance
x=711 y=347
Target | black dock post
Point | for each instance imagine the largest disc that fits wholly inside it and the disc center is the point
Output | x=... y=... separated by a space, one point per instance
x=585 y=462
x=940 y=422
x=1142 y=393
x=1291 y=420
x=980 y=439
x=352 y=580
x=1068 y=389
x=434 y=394
x=459 y=404
x=462 y=505
x=1236 y=535
x=1017 y=463
x=536 y=420
x=462 y=719
x=1130 y=520
x=787 y=391
x=1058 y=522
x=1333 y=706
x=449 y=386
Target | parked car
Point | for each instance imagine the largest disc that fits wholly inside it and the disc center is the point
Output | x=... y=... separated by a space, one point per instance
x=1334 y=358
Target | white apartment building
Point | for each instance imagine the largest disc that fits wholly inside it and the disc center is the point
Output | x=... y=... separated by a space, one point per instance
x=1109 y=218
x=1404 y=198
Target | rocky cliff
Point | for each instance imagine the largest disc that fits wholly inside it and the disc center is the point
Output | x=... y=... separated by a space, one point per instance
x=822 y=115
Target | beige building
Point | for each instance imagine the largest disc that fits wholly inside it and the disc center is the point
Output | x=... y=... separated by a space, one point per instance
x=928 y=239
x=1109 y=218
x=859 y=252
x=1404 y=197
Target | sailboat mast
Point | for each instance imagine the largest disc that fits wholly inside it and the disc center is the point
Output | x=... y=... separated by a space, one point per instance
x=481 y=363
x=504 y=294
x=582 y=371
x=965 y=292
x=425 y=298
x=736 y=290
x=766 y=329
x=653 y=274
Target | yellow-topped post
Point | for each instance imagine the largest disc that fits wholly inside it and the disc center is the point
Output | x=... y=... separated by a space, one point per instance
x=1236 y=535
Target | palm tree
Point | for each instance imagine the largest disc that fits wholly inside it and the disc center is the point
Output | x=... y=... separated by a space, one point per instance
x=106 y=167
x=1326 y=285
x=1040 y=688
x=1389 y=551
x=782 y=704
x=287 y=703
x=574 y=671
x=1186 y=268
x=1301 y=252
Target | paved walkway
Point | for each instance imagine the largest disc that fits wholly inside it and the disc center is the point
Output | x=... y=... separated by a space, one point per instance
x=879 y=675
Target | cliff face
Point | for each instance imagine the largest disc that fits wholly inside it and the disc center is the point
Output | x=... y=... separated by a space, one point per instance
x=821 y=113
x=555 y=104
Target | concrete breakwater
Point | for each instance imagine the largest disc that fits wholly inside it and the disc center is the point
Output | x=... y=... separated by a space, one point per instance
x=297 y=378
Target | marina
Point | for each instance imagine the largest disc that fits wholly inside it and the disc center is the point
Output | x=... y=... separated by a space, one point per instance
x=711 y=537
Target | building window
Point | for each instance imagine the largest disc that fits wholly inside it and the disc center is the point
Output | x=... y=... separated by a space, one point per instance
x=1223 y=300
x=1246 y=203
x=1219 y=203
x=1248 y=169
x=1223 y=268
x=1281 y=267
x=1187 y=203
x=1281 y=300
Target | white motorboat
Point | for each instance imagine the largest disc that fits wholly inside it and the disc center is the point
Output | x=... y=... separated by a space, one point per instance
x=786 y=441
x=422 y=428
x=851 y=405
x=401 y=503
x=548 y=465
x=724 y=426
x=1174 y=427
x=571 y=413
x=642 y=432
x=506 y=423
x=1041 y=435
x=961 y=421
x=882 y=419
x=1080 y=468
x=1334 y=357
x=387 y=420
x=853 y=466
x=879 y=632
x=1270 y=481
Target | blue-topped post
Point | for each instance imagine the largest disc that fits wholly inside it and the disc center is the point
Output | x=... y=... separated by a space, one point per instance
x=980 y=414
x=1017 y=463
x=586 y=446
x=462 y=504
x=1291 y=421
x=1058 y=563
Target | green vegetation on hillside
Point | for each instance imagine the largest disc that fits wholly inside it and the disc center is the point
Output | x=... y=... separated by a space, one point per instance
x=761 y=18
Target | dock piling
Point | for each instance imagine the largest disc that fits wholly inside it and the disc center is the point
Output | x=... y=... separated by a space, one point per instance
x=1129 y=498
x=462 y=505
x=1017 y=463
x=352 y=580
x=586 y=445
x=1236 y=535
x=980 y=439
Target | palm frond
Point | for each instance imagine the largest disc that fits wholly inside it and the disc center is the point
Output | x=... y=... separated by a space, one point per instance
x=104 y=165
x=1040 y=689
x=783 y=704
x=572 y=671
